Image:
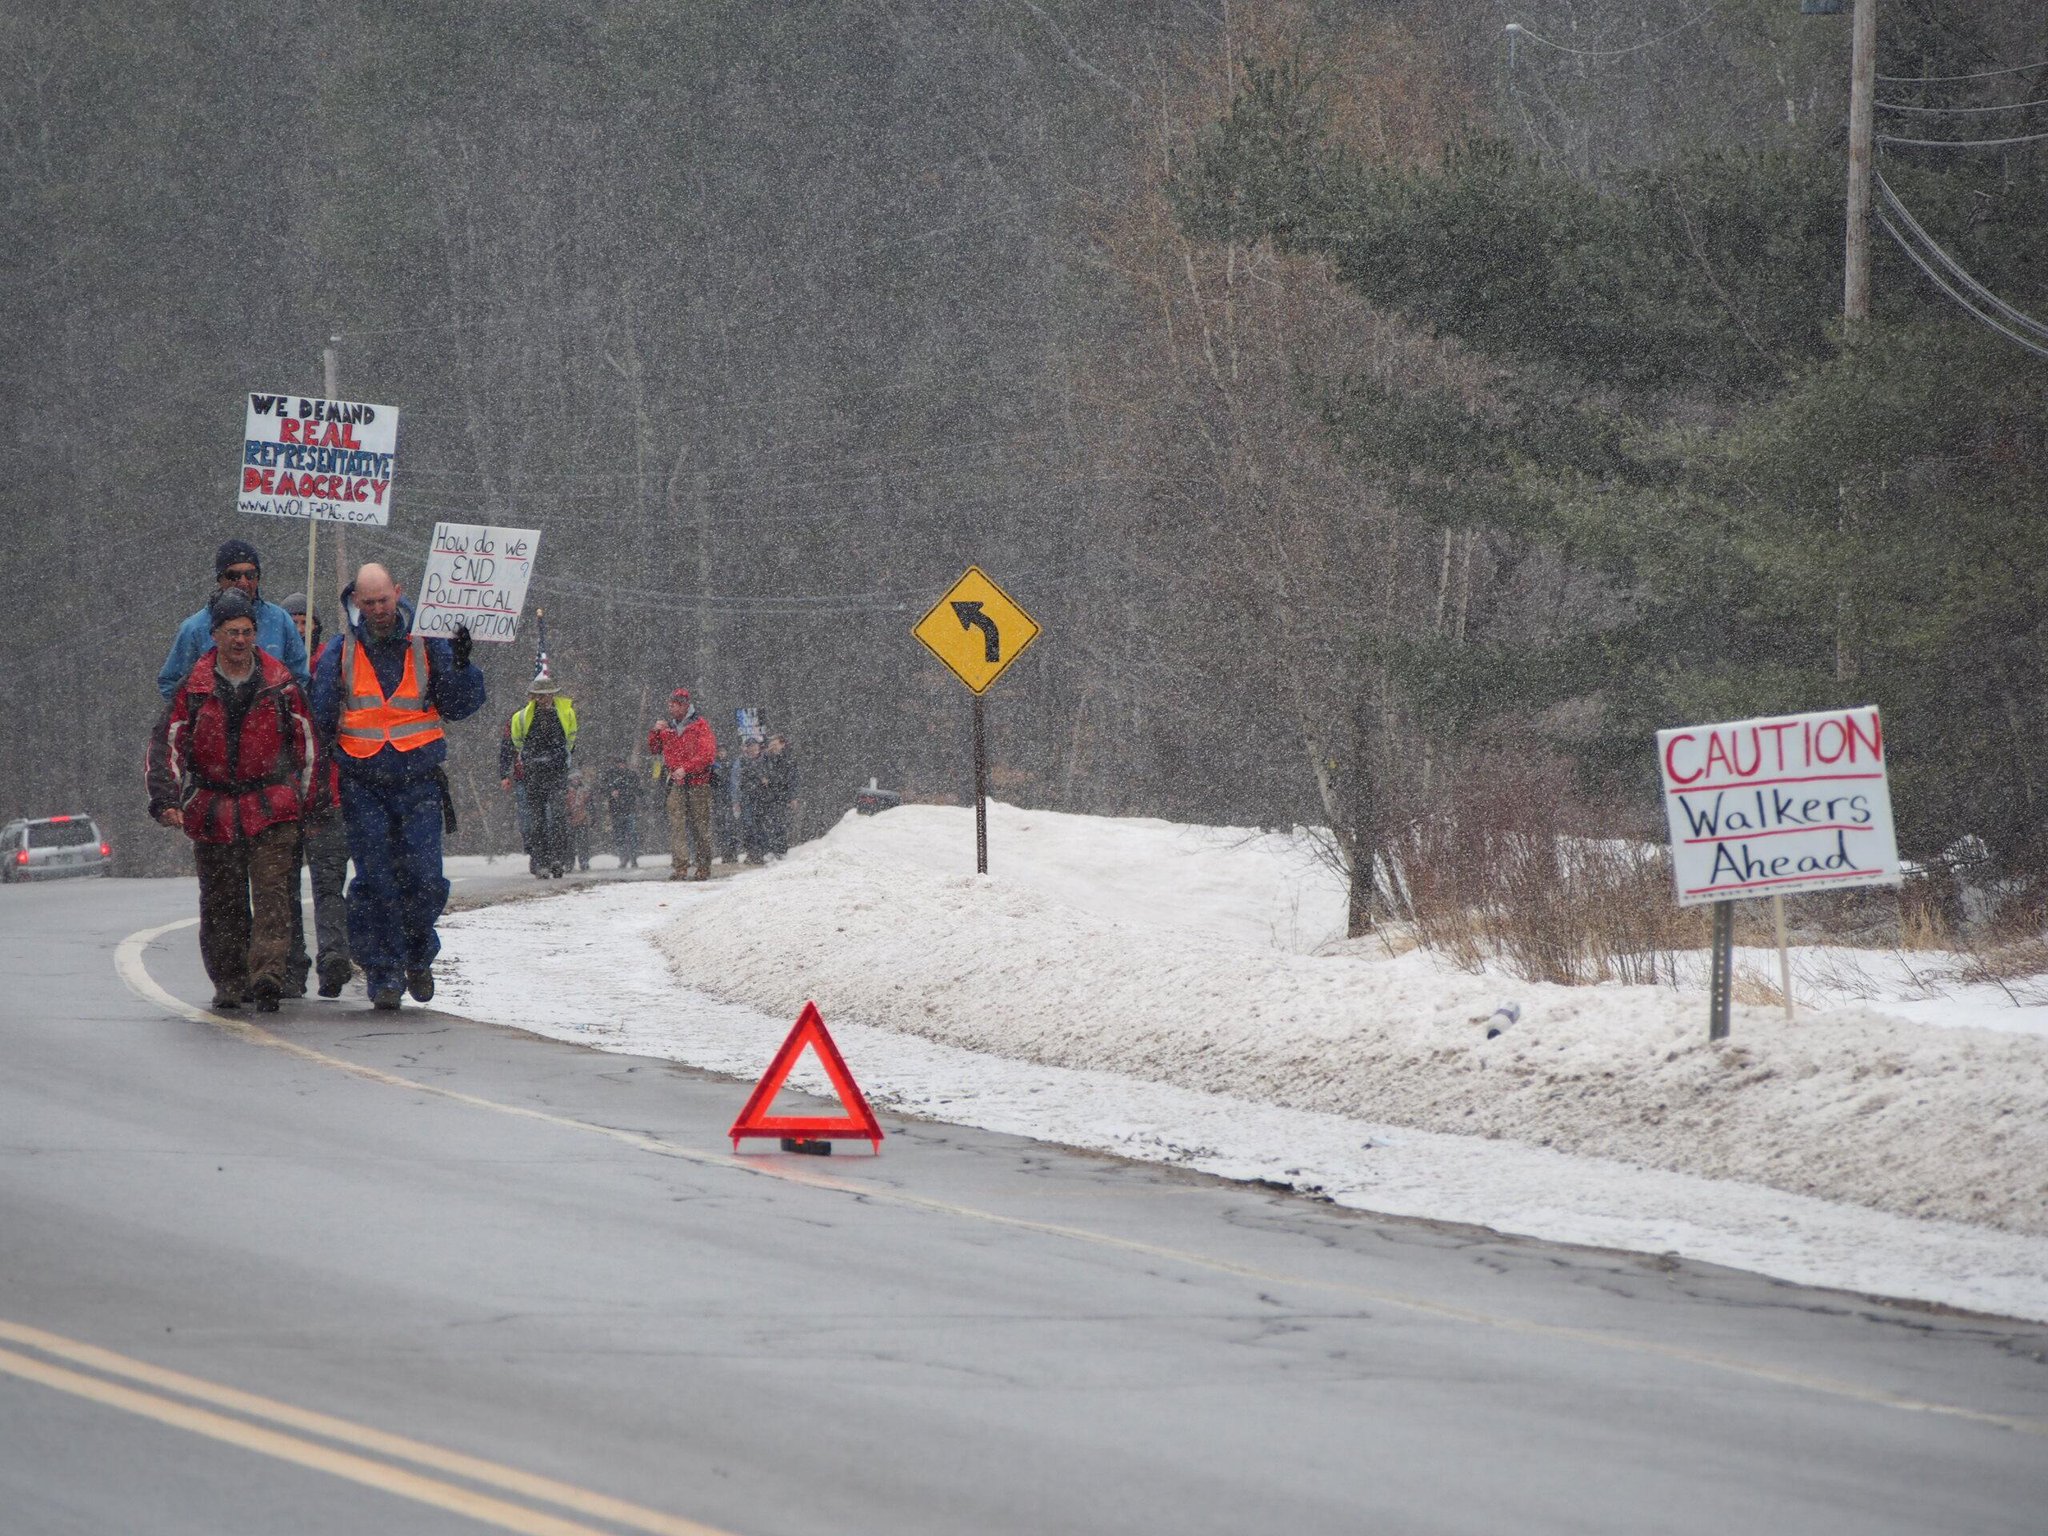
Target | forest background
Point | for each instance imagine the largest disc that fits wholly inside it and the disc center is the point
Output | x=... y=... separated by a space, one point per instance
x=1392 y=412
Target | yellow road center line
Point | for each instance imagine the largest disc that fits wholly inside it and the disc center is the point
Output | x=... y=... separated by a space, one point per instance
x=305 y=1453
x=526 y=1484
x=128 y=961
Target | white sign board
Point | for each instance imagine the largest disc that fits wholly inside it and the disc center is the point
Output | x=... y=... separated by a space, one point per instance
x=476 y=575
x=328 y=459
x=1769 y=807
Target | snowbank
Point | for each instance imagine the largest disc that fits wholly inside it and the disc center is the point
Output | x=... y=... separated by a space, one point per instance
x=1174 y=955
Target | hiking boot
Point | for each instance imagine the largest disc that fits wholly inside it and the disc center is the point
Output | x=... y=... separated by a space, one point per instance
x=265 y=995
x=227 y=998
x=420 y=984
x=386 y=999
x=334 y=976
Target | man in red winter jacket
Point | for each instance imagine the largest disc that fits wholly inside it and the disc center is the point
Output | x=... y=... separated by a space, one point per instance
x=230 y=764
x=686 y=747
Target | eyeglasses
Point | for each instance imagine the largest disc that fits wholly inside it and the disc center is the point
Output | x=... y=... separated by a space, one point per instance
x=240 y=573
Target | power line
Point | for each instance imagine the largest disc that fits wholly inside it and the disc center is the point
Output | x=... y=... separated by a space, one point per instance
x=1515 y=29
x=1956 y=279
x=1954 y=267
x=2025 y=138
x=2003 y=106
x=1989 y=74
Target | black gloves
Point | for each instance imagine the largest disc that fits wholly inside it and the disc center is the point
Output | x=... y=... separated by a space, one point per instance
x=459 y=646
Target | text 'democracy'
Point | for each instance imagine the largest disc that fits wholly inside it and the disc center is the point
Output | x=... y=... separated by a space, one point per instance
x=330 y=460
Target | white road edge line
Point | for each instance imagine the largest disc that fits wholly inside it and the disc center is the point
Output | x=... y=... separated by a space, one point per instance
x=128 y=961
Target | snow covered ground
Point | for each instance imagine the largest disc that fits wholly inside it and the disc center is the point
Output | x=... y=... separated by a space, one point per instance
x=1184 y=995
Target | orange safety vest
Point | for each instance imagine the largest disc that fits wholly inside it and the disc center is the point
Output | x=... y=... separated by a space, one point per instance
x=407 y=720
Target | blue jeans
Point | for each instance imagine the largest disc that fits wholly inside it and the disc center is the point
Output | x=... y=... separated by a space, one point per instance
x=394 y=835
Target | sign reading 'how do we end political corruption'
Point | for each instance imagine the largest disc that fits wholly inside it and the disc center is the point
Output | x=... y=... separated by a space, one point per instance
x=1770 y=807
x=476 y=575
x=324 y=459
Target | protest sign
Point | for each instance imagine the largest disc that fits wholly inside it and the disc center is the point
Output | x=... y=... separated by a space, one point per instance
x=325 y=459
x=476 y=575
x=1770 y=807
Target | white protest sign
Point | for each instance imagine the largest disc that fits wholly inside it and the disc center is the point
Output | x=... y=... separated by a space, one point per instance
x=1770 y=807
x=476 y=575
x=325 y=459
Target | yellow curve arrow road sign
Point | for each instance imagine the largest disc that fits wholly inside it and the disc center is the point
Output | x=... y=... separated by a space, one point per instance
x=976 y=629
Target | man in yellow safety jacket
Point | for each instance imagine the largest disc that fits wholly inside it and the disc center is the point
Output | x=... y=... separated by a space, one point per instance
x=544 y=743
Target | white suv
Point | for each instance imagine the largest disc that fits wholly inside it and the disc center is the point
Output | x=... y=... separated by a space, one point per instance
x=53 y=847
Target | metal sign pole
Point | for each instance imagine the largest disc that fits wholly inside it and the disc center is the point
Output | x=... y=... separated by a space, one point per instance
x=980 y=789
x=1722 y=966
x=1784 y=954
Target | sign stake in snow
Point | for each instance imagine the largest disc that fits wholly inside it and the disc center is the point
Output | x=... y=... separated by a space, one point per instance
x=804 y=1132
x=1771 y=807
x=977 y=629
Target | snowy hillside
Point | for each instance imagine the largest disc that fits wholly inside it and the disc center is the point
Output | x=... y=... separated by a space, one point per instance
x=1157 y=991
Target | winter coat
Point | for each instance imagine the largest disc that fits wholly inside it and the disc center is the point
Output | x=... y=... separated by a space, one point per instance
x=455 y=694
x=543 y=751
x=779 y=773
x=233 y=778
x=687 y=751
x=275 y=633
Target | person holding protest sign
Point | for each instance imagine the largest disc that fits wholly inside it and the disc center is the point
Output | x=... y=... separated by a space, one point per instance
x=544 y=741
x=381 y=695
x=687 y=749
x=236 y=565
x=230 y=764
x=323 y=849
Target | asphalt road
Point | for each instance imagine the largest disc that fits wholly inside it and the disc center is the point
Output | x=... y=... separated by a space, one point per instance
x=346 y=1272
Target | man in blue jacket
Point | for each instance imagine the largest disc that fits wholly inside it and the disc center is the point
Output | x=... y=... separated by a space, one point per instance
x=235 y=564
x=380 y=695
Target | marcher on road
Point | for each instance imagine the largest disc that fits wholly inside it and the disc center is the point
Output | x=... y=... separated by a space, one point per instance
x=543 y=737
x=323 y=850
x=687 y=749
x=619 y=785
x=725 y=806
x=230 y=763
x=581 y=814
x=778 y=795
x=381 y=695
x=753 y=780
x=235 y=565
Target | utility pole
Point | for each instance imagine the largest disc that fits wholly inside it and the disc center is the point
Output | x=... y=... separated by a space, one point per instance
x=1862 y=94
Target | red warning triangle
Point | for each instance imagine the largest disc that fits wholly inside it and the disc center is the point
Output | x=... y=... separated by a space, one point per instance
x=859 y=1120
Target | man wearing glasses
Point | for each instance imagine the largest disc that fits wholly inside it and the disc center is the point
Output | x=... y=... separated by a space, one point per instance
x=235 y=567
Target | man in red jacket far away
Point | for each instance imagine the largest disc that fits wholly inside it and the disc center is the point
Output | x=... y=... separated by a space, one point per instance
x=686 y=747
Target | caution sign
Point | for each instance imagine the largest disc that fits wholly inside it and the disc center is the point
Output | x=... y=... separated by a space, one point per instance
x=977 y=629
x=858 y=1121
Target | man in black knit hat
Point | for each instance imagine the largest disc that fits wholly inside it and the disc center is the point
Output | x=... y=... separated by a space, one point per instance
x=236 y=566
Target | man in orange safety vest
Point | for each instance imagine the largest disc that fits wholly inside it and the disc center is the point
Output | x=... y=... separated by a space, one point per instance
x=381 y=697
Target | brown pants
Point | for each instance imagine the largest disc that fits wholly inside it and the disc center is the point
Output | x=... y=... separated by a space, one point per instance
x=256 y=873
x=689 y=829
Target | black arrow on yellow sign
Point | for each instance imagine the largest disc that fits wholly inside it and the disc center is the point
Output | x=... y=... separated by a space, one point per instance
x=971 y=617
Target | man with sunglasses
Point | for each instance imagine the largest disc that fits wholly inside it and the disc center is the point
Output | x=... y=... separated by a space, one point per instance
x=235 y=567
